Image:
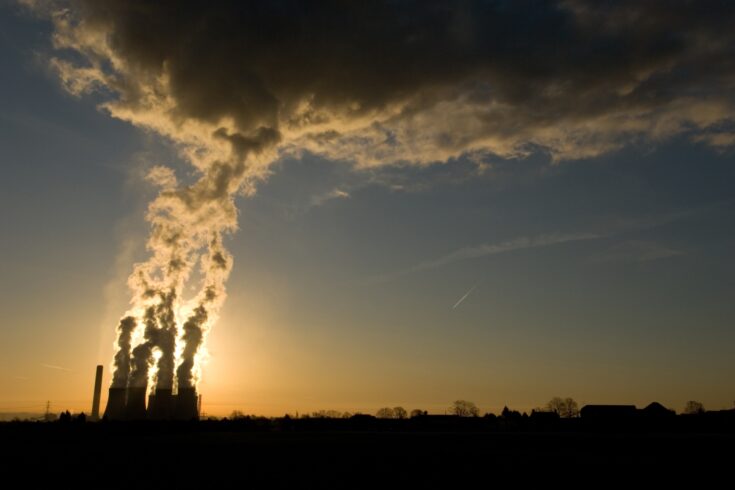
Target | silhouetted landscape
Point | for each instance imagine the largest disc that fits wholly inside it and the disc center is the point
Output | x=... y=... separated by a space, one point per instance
x=234 y=210
x=616 y=442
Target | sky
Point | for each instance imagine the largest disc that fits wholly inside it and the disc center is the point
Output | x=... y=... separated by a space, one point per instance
x=495 y=202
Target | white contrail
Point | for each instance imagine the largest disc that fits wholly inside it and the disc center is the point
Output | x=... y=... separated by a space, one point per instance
x=464 y=297
x=58 y=368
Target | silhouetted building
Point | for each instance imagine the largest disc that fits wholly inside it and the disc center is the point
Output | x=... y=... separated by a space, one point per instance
x=135 y=406
x=97 y=393
x=602 y=412
x=655 y=409
x=116 y=404
x=186 y=404
x=130 y=404
x=161 y=405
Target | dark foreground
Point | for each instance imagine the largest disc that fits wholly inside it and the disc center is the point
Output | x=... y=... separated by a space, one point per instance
x=204 y=455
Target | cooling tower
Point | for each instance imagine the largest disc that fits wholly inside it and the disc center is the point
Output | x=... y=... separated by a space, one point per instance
x=186 y=404
x=115 y=404
x=161 y=405
x=135 y=407
x=97 y=392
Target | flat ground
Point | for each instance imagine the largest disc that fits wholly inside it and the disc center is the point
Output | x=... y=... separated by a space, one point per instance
x=191 y=456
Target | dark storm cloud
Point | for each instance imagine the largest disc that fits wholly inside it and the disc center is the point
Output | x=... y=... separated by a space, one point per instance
x=408 y=80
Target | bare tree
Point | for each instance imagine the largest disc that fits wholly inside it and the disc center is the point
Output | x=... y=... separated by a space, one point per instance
x=385 y=413
x=464 y=408
x=327 y=414
x=416 y=412
x=565 y=407
x=400 y=412
x=693 y=407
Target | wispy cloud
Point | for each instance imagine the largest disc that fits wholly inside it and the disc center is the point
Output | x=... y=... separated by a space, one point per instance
x=336 y=193
x=486 y=249
x=632 y=250
x=58 y=368
x=503 y=247
x=635 y=251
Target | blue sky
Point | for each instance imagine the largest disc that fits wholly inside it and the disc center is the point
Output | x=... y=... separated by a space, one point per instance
x=608 y=279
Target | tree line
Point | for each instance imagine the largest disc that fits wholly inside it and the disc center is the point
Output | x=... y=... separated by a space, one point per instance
x=564 y=407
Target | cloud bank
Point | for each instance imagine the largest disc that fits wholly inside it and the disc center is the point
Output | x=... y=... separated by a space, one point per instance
x=418 y=82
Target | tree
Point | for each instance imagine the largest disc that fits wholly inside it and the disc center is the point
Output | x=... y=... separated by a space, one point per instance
x=693 y=407
x=385 y=413
x=237 y=414
x=327 y=414
x=400 y=412
x=464 y=408
x=507 y=413
x=565 y=407
x=417 y=412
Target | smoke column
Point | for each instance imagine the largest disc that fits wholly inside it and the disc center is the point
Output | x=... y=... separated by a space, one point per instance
x=216 y=266
x=122 y=357
x=193 y=338
x=143 y=352
x=187 y=224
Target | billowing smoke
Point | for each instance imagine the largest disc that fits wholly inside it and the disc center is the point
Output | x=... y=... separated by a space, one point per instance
x=166 y=341
x=122 y=356
x=237 y=85
x=215 y=266
x=143 y=352
x=411 y=81
x=192 y=337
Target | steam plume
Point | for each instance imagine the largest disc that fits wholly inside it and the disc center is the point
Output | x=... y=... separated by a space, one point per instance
x=143 y=352
x=122 y=356
x=192 y=337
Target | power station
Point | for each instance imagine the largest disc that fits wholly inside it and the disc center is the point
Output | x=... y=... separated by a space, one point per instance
x=130 y=403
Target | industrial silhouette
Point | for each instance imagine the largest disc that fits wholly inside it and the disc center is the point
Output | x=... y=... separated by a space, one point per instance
x=130 y=403
x=331 y=449
x=97 y=392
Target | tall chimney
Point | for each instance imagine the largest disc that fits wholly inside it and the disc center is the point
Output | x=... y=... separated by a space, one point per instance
x=97 y=392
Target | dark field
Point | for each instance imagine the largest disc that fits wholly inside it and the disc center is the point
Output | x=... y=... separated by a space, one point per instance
x=216 y=455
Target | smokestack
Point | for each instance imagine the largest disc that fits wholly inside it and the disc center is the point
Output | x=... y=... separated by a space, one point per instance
x=161 y=405
x=135 y=407
x=115 y=404
x=97 y=392
x=186 y=404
